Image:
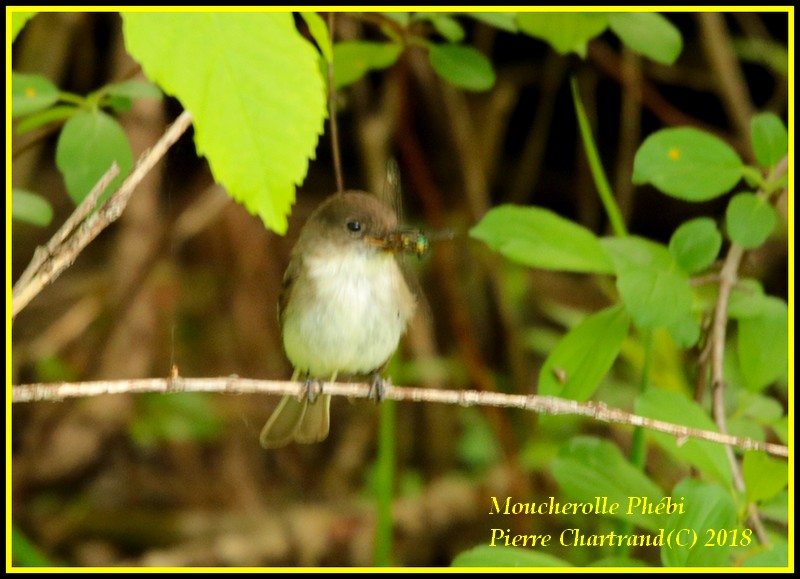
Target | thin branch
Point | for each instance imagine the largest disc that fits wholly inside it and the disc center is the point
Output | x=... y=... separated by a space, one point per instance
x=728 y=278
x=234 y=384
x=57 y=241
x=337 y=158
x=81 y=228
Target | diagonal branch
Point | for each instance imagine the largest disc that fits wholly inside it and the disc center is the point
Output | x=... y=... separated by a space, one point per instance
x=234 y=384
x=83 y=225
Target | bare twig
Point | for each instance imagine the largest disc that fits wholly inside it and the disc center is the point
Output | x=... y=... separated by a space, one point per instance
x=234 y=384
x=728 y=277
x=81 y=228
x=56 y=242
x=337 y=159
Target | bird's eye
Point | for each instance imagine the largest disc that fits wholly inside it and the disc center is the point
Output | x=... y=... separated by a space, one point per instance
x=354 y=226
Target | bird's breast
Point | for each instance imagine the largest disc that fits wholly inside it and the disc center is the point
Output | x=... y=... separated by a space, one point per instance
x=351 y=314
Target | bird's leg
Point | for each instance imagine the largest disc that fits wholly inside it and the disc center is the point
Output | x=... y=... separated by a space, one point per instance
x=314 y=388
x=378 y=387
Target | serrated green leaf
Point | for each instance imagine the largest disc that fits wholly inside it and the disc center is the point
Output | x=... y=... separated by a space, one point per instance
x=687 y=163
x=353 y=59
x=319 y=32
x=31 y=93
x=30 y=208
x=502 y=20
x=696 y=244
x=764 y=477
x=584 y=355
x=763 y=344
x=87 y=146
x=750 y=220
x=539 y=238
x=255 y=91
x=564 y=31
x=18 y=21
x=464 y=66
x=51 y=115
x=655 y=291
x=501 y=556
x=708 y=457
x=134 y=89
x=706 y=507
x=649 y=34
x=769 y=137
x=587 y=468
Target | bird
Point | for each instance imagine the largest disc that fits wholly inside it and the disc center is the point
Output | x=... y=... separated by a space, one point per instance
x=344 y=305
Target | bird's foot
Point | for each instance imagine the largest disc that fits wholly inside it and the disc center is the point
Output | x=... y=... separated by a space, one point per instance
x=378 y=388
x=313 y=387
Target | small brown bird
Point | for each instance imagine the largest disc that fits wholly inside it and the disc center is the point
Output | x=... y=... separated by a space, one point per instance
x=344 y=305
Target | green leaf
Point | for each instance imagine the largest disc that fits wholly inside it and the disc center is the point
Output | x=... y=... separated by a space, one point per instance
x=449 y=28
x=27 y=554
x=87 y=146
x=687 y=163
x=617 y=562
x=654 y=290
x=30 y=208
x=774 y=555
x=584 y=355
x=444 y=24
x=587 y=468
x=763 y=344
x=564 y=31
x=51 y=115
x=696 y=244
x=502 y=20
x=764 y=477
x=760 y=409
x=769 y=137
x=354 y=59
x=502 y=556
x=539 y=238
x=747 y=299
x=255 y=91
x=402 y=18
x=134 y=89
x=477 y=446
x=464 y=66
x=649 y=34
x=750 y=219
x=31 y=93
x=319 y=32
x=708 y=508
x=708 y=457
x=18 y=21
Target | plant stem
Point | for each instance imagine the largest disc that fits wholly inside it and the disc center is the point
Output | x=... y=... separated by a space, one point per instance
x=600 y=179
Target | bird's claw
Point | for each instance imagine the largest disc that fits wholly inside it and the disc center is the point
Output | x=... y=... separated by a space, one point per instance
x=313 y=388
x=378 y=387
